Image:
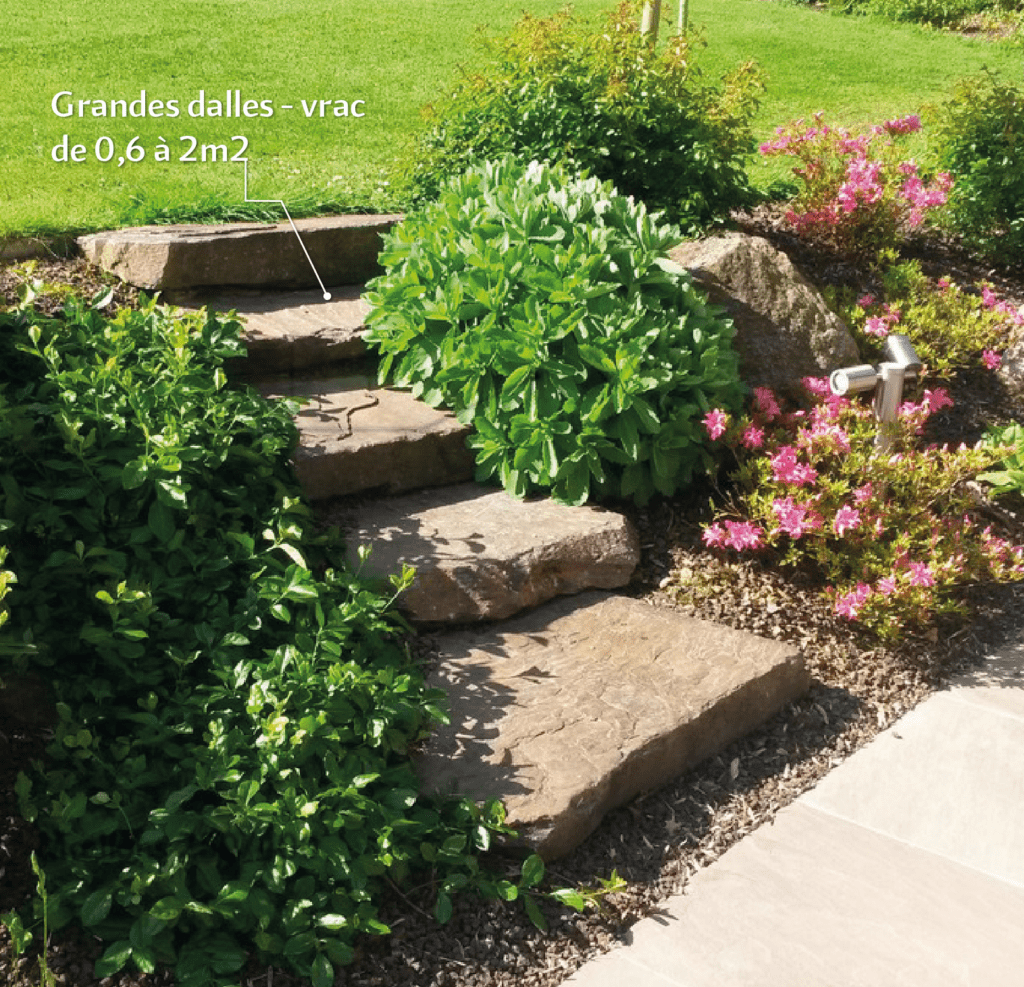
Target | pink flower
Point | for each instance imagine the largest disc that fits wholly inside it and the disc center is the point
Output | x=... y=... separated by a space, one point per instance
x=989 y=298
x=753 y=437
x=795 y=519
x=714 y=536
x=847 y=518
x=787 y=469
x=850 y=604
x=921 y=574
x=822 y=434
x=716 y=422
x=866 y=301
x=937 y=400
x=743 y=534
x=863 y=493
x=886 y=586
x=991 y=359
x=817 y=386
x=876 y=326
x=902 y=125
x=766 y=403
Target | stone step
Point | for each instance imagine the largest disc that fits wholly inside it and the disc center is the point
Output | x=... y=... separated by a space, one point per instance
x=266 y=255
x=289 y=331
x=355 y=436
x=480 y=554
x=575 y=708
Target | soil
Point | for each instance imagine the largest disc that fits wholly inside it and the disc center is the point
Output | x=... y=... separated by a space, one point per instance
x=663 y=837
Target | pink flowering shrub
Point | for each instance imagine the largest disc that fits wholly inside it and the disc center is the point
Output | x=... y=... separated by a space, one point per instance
x=858 y=194
x=892 y=536
x=949 y=327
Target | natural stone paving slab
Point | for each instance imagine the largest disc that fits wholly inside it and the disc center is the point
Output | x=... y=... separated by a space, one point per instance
x=962 y=749
x=481 y=554
x=576 y=707
x=287 y=331
x=816 y=901
x=343 y=248
x=356 y=436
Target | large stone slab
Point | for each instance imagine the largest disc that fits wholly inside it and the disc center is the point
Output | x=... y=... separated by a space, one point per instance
x=575 y=708
x=343 y=248
x=483 y=555
x=356 y=436
x=288 y=331
x=784 y=329
x=816 y=901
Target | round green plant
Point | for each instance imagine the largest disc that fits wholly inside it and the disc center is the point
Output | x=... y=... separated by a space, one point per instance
x=541 y=307
x=600 y=97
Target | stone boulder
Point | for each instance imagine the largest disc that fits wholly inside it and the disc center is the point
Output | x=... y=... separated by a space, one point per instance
x=784 y=329
x=1011 y=370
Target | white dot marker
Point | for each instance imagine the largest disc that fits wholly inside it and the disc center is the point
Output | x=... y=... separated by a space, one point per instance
x=327 y=296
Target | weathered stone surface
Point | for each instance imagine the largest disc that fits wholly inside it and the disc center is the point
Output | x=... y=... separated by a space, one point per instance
x=356 y=436
x=784 y=329
x=483 y=555
x=286 y=331
x=580 y=705
x=1011 y=370
x=343 y=248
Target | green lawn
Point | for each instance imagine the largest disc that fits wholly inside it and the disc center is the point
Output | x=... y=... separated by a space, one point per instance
x=393 y=54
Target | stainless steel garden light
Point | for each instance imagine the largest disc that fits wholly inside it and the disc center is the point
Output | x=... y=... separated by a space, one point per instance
x=886 y=380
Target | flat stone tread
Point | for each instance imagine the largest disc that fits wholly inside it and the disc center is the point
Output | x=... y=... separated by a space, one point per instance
x=482 y=554
x=288 y=331
x=184 y=232
x=355 y=435
x=578 y=706
x=342 y=249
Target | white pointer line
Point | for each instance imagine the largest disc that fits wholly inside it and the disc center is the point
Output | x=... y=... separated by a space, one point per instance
x=245 y=192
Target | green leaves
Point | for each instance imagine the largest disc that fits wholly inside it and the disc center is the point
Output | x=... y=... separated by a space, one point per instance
x=556 y=90
x=231 y=695
x=577 y=372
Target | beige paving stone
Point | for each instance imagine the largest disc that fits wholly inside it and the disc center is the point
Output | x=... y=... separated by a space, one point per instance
x=998 y=684
x=344 y=250
x=576 y=707
x=480 y=554
x=948 y=778
x=816 y=901
x=356 y=436
x=288 y=331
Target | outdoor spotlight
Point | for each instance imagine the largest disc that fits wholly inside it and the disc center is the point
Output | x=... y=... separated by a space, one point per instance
x=886 y=380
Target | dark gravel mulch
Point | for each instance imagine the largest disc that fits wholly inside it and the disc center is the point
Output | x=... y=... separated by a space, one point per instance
x=661 y=838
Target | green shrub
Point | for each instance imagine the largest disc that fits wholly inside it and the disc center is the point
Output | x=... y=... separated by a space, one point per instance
x=951 y=329
x=605 y=100
x=1009 y=479
x=938 y=13
x=229 y=769
x=540 y=307
x=858 y=194
x=890 y=536
x=979 y=137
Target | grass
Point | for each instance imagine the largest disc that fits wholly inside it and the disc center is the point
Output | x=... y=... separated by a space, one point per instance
x=394 y=54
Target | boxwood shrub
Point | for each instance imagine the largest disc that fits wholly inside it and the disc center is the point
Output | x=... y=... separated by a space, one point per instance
x=541 y=307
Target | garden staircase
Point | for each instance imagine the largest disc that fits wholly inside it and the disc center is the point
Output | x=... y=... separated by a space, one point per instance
x=566 y=698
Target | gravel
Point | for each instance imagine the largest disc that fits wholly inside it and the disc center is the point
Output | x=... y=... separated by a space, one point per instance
x=658 y=841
